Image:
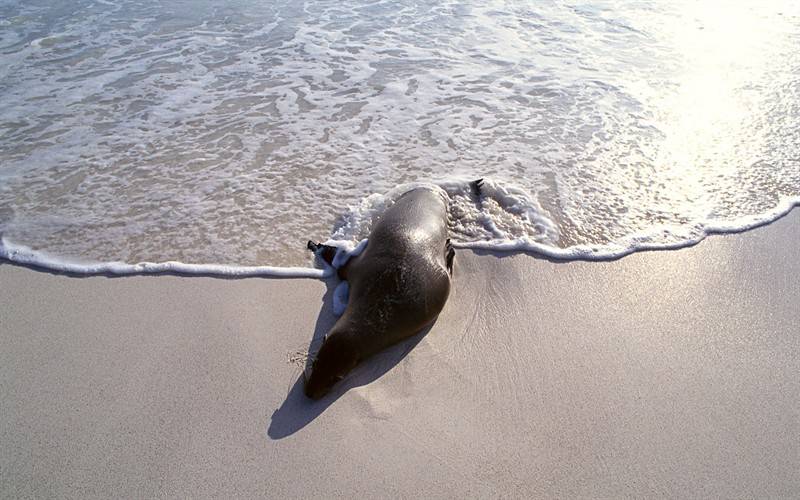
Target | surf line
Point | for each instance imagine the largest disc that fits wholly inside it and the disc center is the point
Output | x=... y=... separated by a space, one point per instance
x=23 y=255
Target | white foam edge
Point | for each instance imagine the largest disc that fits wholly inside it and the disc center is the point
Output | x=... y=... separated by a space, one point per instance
x=637 y=242
x=346 y=249
x=23 y=255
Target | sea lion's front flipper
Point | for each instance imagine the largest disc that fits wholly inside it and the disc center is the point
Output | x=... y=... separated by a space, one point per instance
x=449 y=255
x=476 y=187
x=477 y=191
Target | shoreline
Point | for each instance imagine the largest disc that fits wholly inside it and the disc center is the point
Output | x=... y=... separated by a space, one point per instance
x=16 y=254
x=658 y=374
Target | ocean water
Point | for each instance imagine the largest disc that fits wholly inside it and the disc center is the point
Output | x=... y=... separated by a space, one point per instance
x=143 y=135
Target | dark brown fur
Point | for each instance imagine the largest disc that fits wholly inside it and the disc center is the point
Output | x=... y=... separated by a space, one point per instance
x=398 y=285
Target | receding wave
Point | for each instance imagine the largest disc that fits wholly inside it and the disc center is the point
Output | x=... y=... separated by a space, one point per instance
x=206 y=133
x=502 y=218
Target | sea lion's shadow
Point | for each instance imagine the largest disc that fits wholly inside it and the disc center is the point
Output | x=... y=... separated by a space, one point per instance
x=297 y=411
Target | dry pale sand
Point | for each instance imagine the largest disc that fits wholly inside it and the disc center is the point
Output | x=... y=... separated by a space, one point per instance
x=671 y=373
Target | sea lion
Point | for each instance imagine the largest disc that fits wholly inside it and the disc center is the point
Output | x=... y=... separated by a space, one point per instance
x=398 y=285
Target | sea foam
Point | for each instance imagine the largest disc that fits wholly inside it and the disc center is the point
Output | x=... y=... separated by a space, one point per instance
x=232 y=134
x=503 y=218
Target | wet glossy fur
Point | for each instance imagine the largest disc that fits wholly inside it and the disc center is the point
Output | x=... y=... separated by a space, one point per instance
x=398 y=285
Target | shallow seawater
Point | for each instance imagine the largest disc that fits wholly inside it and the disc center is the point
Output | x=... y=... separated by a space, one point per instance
x=188 y=131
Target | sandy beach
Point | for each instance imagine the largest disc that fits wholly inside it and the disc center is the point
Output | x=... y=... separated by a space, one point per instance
x=661 y=374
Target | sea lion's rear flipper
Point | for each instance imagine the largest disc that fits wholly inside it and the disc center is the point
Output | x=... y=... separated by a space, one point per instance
x=449 y=255
x=327 y=253
x=324 y=252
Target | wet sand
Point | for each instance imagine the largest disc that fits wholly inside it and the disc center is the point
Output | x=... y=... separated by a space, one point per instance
x=670 y=373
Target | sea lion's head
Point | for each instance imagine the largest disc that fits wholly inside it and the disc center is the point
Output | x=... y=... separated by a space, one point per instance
x=333 y=362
